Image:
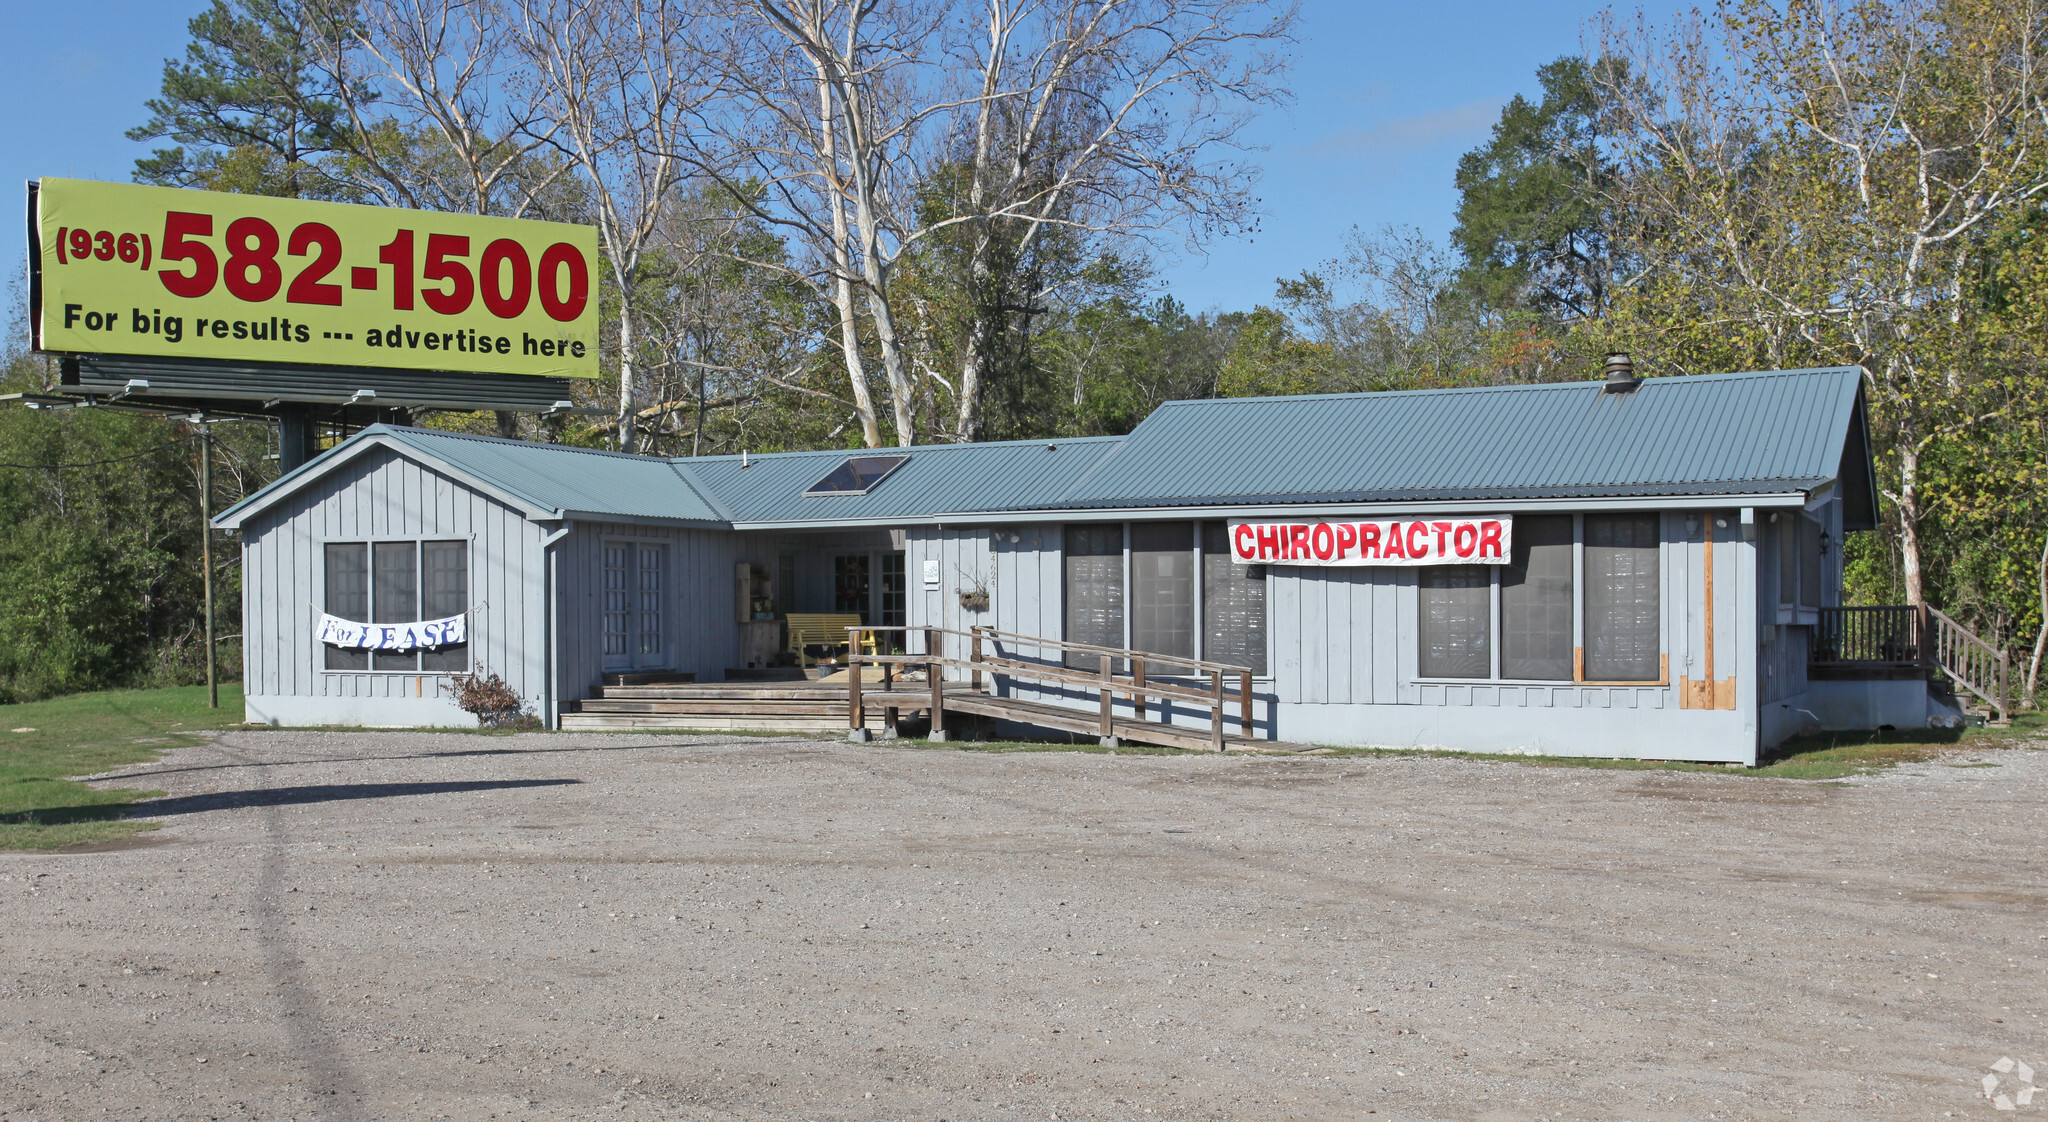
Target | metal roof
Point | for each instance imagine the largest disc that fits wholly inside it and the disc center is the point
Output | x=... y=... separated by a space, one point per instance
x=547 y=480
x=939 y=479
x=1776 y=433
x=1703 y=435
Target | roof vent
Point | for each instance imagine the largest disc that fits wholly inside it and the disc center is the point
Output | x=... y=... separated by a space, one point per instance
x=1621 y=374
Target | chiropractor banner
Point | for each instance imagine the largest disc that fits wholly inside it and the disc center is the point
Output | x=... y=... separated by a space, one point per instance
x=1395 y=541
x=393 y=636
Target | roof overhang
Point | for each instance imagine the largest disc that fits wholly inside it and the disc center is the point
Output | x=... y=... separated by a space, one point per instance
x=1765 y=499
x=354 y=448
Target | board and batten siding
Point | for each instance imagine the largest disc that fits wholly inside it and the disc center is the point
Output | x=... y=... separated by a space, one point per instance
x=384 y=496
x=1344 y=658
x=1344 y=648
x=699 y=633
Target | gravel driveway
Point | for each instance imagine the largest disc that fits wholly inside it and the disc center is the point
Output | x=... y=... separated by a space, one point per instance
x=421 y=925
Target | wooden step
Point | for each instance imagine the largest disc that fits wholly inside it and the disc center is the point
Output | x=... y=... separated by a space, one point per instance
x=649 y=677
x=761 y=692
x=589 y=722
x=739 y=708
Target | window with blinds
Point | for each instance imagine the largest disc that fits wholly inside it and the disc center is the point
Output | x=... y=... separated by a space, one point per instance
x=1536 y=600
x=397 y=582
x=444 y=592
x=1623 y=598
x=1233 y=604
x=1163 y=589
x=1093 y=569
x=1810 y=560
x=348 y=597
x=1456 y=625
x=1787 y=541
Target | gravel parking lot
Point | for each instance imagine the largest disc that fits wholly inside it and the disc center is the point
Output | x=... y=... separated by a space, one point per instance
x=421 y=925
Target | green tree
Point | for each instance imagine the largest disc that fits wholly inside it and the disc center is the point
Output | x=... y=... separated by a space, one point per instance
x=251 y=107
x=1532 y=220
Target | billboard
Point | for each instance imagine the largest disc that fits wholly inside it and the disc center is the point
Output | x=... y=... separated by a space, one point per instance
x=159 y=272
x=1400 y=541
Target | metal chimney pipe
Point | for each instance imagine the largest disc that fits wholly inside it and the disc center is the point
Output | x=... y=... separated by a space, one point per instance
x=1621 y=374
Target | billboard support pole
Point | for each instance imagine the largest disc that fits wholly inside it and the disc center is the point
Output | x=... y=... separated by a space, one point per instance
x=294 y=437
x=206 y=555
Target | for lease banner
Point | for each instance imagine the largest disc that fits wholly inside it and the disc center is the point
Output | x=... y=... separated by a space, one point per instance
x=338 y=632
x=162 y=272
x=1394 y=541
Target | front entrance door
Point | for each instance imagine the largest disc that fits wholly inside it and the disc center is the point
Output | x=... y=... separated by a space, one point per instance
x=635 y=592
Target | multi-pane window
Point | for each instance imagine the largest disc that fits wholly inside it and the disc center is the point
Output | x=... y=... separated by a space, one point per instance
x=1093 y=564
x=618 y=598
x=653 y=567
x=1163 y=588
x=1536 y=600
x=1233 y=604
x=850 y=587
x=1619 y=610
x=1187 y=598
x=1456 y=621
x=1623 y=598
x=895 y=590
x=397 y=582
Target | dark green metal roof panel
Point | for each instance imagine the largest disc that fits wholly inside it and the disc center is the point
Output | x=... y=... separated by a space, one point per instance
x=546 y=478
x=1703 y=435
x=937 y=480
x=565 y=478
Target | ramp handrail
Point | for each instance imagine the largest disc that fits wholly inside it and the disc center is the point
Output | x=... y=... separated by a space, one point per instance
x=1976 y=665
x=1105 y=681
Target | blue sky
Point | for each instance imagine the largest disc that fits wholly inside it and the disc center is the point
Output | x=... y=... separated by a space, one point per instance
x=1388 y=96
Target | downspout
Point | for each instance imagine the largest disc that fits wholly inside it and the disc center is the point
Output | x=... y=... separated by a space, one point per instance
x=551 y=701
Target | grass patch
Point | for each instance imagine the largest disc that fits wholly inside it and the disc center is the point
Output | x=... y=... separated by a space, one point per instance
x=42 y=809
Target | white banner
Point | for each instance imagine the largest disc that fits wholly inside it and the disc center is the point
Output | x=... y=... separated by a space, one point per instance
x=1398 y=541
x=393 y=636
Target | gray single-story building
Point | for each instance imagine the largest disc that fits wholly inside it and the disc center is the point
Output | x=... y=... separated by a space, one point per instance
x=1628 y=569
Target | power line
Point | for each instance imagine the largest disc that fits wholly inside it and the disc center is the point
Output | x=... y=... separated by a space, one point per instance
x=97 y=463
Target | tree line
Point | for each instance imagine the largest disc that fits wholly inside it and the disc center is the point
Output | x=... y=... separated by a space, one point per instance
x=837 y=223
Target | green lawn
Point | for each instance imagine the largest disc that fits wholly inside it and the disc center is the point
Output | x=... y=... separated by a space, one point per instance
x=40 y=808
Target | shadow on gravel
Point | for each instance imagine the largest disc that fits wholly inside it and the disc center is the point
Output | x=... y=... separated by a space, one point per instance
x=323 y=793
x=304 y=762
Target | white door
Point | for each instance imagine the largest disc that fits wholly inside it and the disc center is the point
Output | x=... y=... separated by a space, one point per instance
x=635 y=595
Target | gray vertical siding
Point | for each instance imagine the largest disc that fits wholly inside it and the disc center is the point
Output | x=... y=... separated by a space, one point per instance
x=1344 y=650
x=700 y=634
x=384 y=496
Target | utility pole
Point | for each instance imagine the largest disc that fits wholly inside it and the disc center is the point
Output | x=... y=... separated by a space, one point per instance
x=206 y=551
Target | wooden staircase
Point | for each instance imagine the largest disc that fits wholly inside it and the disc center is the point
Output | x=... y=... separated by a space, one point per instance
x=802 y=706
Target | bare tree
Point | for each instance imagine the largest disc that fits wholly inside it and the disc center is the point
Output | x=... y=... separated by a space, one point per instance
x=613 y=81
x=1817 y=199
x=883 y=130
x=1114 y=120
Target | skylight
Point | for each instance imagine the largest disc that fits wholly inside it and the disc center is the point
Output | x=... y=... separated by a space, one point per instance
x=857 y=475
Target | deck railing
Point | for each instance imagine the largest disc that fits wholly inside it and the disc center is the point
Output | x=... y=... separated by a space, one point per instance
x=1903 y=637
x=1117 y=671
x=1888 y=636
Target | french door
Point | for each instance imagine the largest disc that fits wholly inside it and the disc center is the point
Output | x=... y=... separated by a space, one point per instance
x=635 y=598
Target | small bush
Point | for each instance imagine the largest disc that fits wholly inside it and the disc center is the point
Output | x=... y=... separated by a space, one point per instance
x=487 y=696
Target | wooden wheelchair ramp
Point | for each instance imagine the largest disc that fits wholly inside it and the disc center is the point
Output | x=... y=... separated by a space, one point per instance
x=994 y=659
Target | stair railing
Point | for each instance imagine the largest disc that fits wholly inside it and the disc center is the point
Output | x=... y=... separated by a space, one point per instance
x=1975 y=665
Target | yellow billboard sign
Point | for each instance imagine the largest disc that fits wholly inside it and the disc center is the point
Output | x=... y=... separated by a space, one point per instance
x=161 y=272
